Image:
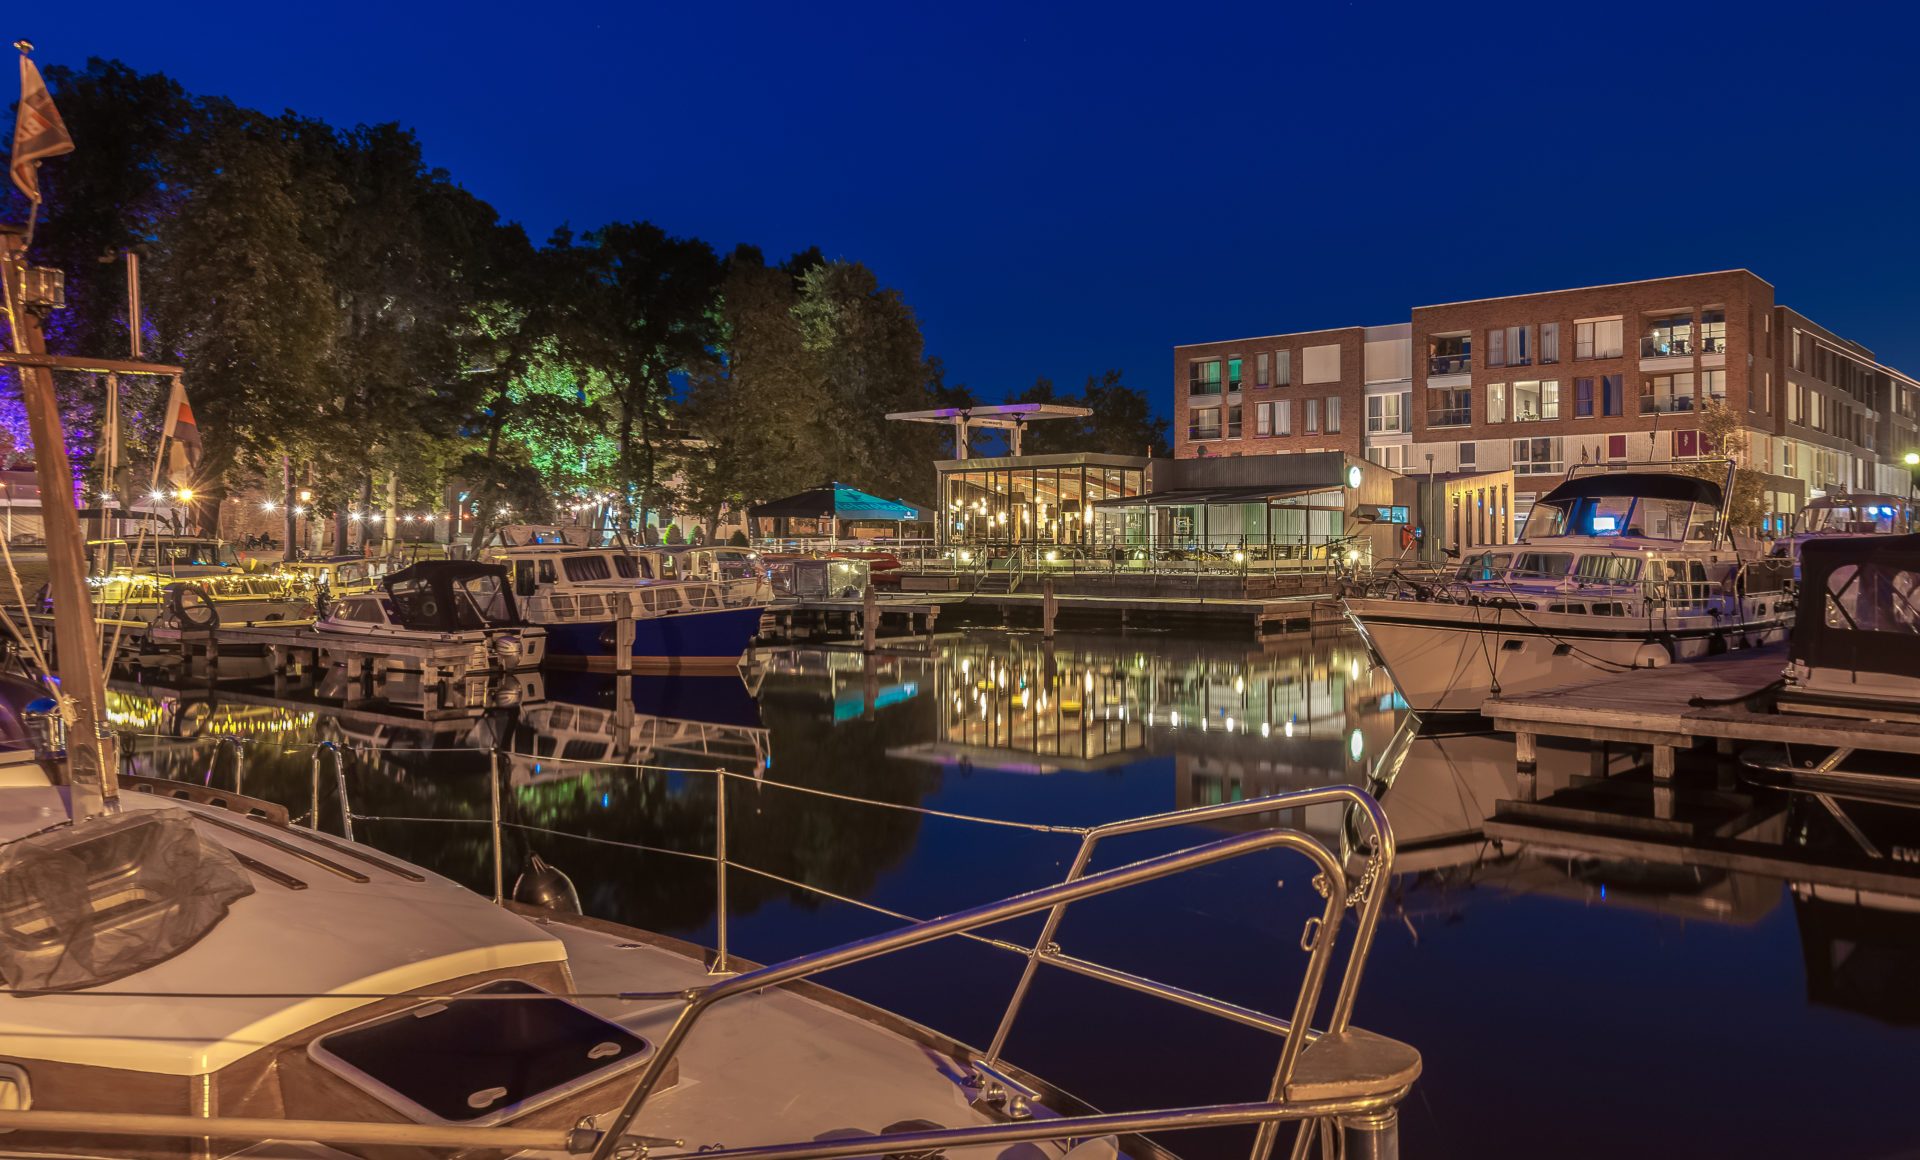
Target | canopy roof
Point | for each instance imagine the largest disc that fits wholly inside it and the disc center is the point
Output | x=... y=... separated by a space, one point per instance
x=1181 y=497
x=1647 y=485
x=837 y=501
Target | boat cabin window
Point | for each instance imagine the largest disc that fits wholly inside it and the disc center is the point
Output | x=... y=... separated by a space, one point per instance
x=586 y=567
x=1600 y=515
x=1484 y=566
x=632 y=568
x=524 y=578
x=1540 y=566
x=547 y=575
x=1879 y=597
x=483 y=601
x=1608 y=570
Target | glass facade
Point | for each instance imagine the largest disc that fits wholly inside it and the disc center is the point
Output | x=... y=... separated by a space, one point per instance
x=1041 y=504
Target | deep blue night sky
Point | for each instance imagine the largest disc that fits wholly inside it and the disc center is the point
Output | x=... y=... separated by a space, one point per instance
x=1059 y=190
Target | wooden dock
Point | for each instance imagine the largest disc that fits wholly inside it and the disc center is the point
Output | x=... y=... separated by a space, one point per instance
x=1260 y=616
x=1727 y=700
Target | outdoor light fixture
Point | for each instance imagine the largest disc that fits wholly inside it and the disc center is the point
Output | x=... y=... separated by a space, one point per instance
x=1352 y=555
x=186 y=495
x=305 y=496
x=268 y=505
x=299 y=511
x=1913 y=459
x=356 y=516
x=1239 y=557
x=1052 y=555
x=965 y=556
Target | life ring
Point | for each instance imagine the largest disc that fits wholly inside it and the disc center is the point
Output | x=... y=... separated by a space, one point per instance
x=189 y=607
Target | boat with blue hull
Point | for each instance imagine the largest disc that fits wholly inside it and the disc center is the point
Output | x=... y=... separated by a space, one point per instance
x=582 y=593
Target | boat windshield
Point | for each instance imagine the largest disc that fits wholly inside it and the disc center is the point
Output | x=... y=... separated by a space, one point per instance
x=1861 y=519
x=1484 y=566
x=1617 y=515
x=1600 y=569
x=1540 y=566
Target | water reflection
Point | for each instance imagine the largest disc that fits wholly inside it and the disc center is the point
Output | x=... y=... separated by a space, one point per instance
x=1555 y=932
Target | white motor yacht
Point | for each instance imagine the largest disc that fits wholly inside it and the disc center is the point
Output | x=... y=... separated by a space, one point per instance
x=1841 y=513
x=1619 y=567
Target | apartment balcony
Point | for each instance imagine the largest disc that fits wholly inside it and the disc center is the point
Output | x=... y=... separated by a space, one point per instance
x=1202 y=434
x=1450 y=417
x=1653 y=347
x=1450 y=364
x=1713 y=344
x=1666 y=404
x=1203 y=390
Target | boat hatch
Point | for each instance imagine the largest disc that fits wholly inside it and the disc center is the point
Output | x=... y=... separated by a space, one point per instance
x=480 y=1060
x=109 y=897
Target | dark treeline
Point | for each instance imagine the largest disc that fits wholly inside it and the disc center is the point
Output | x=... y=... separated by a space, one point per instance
x=346 y=310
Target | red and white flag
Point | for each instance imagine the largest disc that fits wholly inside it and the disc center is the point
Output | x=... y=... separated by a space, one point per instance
x=182 y=436
x=38 y=131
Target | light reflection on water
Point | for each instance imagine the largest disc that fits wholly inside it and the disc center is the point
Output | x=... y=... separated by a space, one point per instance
x=1581 y=993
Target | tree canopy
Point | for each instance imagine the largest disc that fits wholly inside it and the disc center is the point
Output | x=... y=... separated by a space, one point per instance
x=341 y=305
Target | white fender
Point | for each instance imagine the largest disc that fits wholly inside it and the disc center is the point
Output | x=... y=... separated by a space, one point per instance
x=1652 y=656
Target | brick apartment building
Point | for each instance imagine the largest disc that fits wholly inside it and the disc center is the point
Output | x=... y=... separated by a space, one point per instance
x=1533 y=383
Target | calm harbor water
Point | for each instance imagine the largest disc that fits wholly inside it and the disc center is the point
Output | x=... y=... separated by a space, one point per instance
x=1572 y=995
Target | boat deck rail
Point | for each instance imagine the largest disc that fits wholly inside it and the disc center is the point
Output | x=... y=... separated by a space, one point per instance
x=1334 y=1080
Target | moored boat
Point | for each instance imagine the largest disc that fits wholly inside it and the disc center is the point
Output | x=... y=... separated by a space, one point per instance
x=1617 y=568
x=582 y=594
x=439 y=601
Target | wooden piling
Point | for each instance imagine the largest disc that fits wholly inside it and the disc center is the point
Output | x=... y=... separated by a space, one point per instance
x=869 y=618
x=623 y=634
x=1048 y=607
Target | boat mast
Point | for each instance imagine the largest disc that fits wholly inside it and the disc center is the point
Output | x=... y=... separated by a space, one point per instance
x=91 y=748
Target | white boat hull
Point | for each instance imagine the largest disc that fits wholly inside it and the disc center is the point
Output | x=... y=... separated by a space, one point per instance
x=1450 y=658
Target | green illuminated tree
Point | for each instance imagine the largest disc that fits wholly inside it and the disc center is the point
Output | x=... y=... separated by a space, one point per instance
x=1723 y=435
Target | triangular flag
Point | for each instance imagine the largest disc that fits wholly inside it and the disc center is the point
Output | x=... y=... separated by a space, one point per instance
x=38 y=131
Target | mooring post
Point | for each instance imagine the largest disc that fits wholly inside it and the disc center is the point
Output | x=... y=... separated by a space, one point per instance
x=623 y=634
x=499 y=865
x=869 y=618
x=1047 y=607
x=720 y=870
x=1524 y=757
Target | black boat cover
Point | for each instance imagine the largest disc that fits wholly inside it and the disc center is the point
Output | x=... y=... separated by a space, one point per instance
x=1860 y=605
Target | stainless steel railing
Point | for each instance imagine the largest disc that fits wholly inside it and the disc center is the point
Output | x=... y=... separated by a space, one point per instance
x=1319 y=940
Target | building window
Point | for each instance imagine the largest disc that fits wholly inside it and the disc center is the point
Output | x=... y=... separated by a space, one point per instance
x=1549 y=342
x=1450 y=408
x=1392 y=456
x=1383 y=413
x=1449 y=354
x=1713 y=385
x=1583 y=398
x=1599 y=338
x=1538 y=456
x=1260 y=369
x=1613 y=395
x=1519 y=346
x=1466 y=454
x=1496 y=402
x=1616 y=447
x=1233 y=373
x=1262 y=419
x=1313 y=417
x=1667 y=337
x=1283 y=422
x=1233 y=421
x=1333 y=414
x=1282 y=368
x=1533 y=402
x=1204 y=423
x=1496 y=348
x=1713 y=332
x=1666 y=394
x=1203 y=377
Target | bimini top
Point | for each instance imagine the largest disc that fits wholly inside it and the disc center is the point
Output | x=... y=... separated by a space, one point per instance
x=1646 y=485
x=452 y=596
